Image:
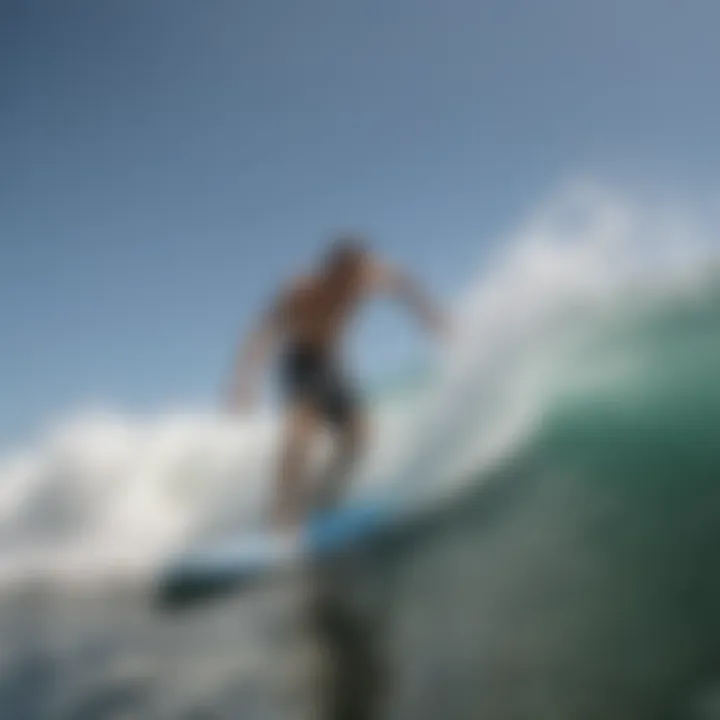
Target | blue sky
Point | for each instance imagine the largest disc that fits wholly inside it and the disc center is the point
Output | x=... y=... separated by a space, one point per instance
x=165 y=163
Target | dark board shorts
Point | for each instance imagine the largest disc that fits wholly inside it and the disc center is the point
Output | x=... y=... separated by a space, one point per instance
x=309 y=375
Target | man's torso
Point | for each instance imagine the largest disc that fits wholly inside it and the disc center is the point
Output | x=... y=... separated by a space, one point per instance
x=316 y=313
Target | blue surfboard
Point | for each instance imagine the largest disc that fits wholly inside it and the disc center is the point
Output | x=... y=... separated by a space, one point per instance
x=206 y=571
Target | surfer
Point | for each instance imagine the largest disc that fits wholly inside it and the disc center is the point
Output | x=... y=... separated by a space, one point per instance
x=306 y=322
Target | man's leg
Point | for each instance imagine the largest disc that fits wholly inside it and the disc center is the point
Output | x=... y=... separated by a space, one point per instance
x=349 y=446
x=301 y=424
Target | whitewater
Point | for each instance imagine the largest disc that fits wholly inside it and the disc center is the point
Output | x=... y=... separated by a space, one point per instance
x=105 y=495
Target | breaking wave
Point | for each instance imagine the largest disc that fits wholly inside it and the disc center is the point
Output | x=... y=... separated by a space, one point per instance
x=579 y=302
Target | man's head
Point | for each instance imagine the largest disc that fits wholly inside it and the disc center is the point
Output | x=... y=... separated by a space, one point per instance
x=345 y=256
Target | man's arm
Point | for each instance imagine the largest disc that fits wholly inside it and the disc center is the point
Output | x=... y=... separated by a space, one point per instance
x=253 y=354
x=406 y=290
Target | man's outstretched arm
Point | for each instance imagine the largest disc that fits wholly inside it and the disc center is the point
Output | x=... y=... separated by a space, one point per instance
x=252 y=355
x=410 y=293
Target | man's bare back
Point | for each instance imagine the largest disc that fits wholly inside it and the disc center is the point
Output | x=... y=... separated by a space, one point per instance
x=316 y=309
x=308 y=321
x=317 y=313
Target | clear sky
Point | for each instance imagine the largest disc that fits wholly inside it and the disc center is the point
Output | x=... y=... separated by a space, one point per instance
x=164 y=163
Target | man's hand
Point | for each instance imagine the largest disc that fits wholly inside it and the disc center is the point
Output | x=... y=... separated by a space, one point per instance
x=240 y=400
x=443 y=328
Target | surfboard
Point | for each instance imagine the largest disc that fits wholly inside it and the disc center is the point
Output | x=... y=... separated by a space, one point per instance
x=237 y=562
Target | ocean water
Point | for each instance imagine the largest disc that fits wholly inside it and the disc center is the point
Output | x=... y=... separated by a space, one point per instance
x=564 y=454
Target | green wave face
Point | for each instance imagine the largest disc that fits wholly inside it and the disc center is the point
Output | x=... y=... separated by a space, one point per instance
x=580 y=578
x=658 y=405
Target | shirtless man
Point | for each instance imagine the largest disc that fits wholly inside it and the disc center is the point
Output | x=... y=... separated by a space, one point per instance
x=308 y=320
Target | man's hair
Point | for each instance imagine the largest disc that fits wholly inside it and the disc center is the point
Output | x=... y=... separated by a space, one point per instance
x=344 y=249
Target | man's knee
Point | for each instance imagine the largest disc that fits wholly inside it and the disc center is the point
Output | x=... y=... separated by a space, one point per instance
x=301 y=422
x=352 y=437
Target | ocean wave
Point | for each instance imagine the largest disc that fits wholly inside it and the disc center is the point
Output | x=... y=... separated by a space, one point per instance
x=579 y=305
